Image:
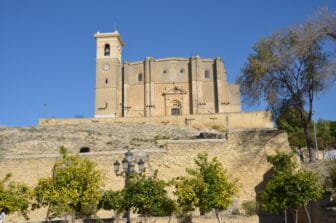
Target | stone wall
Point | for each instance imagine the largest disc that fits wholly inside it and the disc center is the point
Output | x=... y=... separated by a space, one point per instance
x=328 y=215
x=235 y=120
x=243 y=154
x=195 y=219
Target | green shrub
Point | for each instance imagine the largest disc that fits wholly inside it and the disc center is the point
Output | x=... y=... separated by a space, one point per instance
x=250 y=207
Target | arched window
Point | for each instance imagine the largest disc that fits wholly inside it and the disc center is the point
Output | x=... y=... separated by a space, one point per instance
x=140 y=77
x=206 y=74
x=107 y=50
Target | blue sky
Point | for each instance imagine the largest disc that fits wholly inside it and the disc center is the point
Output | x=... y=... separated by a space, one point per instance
x=47 y=49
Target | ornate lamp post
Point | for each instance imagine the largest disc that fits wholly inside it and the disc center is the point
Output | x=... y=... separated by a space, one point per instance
x=127 y=168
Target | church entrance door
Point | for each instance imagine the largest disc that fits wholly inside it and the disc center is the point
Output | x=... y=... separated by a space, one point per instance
x=173 y=101
x=175 y=111
x=176 y=107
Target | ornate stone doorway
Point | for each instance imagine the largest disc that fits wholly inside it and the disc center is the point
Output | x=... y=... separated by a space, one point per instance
x=173 y=101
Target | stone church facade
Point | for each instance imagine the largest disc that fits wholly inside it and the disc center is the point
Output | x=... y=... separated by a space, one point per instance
x=159 y=86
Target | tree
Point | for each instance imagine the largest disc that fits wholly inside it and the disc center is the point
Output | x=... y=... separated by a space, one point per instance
x=331 y=179
x=148 y=197
x=209 y=187
x=290 y=69
x=322 y=26
x=325 y=137
x=289 y=120
x=283 y=163
x=113 y=200
x=75 y=187
x=186 y=197
x=14 y=197
x=289 y=188
x=47 y=195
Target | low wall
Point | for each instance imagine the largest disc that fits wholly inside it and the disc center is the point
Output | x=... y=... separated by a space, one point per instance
x=328 y=215
x=195 y=219
x=237 y=120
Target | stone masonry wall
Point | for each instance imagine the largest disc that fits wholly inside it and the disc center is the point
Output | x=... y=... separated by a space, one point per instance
x=243 y=154
x=235 y=120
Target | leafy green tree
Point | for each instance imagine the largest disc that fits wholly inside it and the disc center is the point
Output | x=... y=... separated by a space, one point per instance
x=186 y=197
x=289 y=120
x=148 y=197
x=331 y=179
x=283 y=162
x=46 y=195
x=289 y=69
x=289 y=188
x=333 y=128
x=14 y=197
x=113 y=200
x=75 y=187
x=326 y=136
x=208 y=188
x=291 y=192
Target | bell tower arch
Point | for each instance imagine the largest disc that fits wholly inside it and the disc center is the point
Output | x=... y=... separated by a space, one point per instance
x=108 y=75
x=109 y=45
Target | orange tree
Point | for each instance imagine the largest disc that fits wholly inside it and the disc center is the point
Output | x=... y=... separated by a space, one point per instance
x=208 y=187
x=14 y=197
x=289 y=188
x=75 y=187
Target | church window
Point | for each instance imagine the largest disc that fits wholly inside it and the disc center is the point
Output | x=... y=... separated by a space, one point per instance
x=165 y=71
x=107 y=50
x=140 y=77
x=206 y=74
x=182 y=71
x=106 y=81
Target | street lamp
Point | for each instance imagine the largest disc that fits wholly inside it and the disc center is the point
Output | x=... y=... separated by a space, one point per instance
x=127 y=165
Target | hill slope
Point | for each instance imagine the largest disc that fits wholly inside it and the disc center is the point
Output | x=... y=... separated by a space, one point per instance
x=96 y=136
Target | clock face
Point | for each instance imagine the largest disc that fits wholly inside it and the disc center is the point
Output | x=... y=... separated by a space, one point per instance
x=106 y=67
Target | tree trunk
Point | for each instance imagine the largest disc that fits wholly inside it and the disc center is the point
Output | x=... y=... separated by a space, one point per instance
x=73 y=216
x=219 y=219
x=169 y=219
x=48 y=213
x=296 y=215
x=307 y=213
x=116 y=216
x=285 y=215
x=309 y=141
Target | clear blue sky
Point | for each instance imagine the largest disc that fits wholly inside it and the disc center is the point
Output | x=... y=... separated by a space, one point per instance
x=47 y=49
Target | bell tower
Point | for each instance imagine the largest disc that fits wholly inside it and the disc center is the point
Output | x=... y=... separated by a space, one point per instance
x=108 y=101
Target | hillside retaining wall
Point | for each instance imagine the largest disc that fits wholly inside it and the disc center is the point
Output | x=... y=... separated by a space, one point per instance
x=243 y=154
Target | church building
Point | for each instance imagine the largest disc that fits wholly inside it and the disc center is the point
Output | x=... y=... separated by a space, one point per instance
x=159 y=86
